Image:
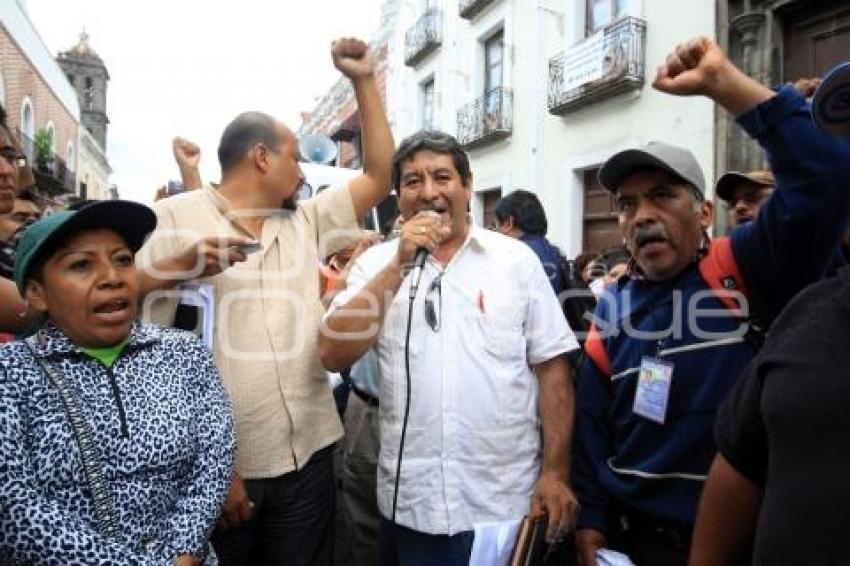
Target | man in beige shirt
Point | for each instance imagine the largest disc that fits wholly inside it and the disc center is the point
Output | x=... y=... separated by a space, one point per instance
x=267 y=314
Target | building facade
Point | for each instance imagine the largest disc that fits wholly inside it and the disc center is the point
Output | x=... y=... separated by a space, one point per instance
x=94 y=169
x=542 y=92
x=602 y=60
x=38 y=98
x=457 y=66
x=336 y=115
x=779 y=42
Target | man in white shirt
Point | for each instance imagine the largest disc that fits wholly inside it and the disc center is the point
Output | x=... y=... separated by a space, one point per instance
x=487 y=366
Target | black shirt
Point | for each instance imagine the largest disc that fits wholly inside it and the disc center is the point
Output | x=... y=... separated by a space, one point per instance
x=786 y=426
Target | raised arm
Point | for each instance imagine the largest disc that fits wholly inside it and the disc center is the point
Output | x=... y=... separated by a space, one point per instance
x=699 y=67
x=351 y=57
x=188 y=157
x=797 y=231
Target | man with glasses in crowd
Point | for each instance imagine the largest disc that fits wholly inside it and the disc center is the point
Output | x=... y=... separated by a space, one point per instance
x=487 y=365
x=13 y=311
x=24 y=212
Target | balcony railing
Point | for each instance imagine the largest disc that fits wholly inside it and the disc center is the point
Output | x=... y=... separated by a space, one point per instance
x=468 y=9
x=52 y=174
x=424 y=37
x=486 y=119
x=607 y=64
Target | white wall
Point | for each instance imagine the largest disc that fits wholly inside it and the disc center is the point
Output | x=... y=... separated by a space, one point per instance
x=497 y=164
x=92 y=165
x=458 y=70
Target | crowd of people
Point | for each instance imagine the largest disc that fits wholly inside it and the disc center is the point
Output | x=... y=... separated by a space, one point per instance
x=396 y=398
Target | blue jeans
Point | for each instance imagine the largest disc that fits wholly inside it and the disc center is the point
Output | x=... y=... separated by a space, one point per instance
x=401 y=546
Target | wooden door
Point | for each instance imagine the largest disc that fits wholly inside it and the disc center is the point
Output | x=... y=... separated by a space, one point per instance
x=816 y=38
x=489 y=198
x=600 y=227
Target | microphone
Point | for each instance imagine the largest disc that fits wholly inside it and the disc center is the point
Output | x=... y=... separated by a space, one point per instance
x=416 y=272
x=419 y=260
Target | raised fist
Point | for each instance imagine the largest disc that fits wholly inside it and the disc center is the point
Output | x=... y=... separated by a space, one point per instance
x=694 y=67
x=186 y=153
x=351 y=57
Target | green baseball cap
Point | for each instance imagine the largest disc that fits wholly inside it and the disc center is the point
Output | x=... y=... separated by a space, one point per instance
x=131 y=220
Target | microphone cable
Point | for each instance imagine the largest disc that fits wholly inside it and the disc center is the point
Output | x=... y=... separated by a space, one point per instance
x=415 y=278
x=406 y=404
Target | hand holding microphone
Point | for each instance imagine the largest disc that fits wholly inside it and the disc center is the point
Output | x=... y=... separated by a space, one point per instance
x=420 y=236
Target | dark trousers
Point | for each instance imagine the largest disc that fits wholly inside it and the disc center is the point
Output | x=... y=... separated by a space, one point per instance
x=292 y=523
x=400 y=546
x=356 y=542
x=652 y=542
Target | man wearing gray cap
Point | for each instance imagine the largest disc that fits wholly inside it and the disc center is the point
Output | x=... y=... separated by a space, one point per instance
x=670 y=342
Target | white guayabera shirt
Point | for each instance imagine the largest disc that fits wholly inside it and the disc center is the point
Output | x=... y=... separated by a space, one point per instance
x=472 y=452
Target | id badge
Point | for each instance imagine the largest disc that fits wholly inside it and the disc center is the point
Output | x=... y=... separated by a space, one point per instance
x=653 y=389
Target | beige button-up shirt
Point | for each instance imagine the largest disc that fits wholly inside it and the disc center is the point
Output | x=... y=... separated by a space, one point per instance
x=267 y=317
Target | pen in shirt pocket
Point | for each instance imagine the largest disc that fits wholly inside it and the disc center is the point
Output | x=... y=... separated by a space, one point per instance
x=481 y=306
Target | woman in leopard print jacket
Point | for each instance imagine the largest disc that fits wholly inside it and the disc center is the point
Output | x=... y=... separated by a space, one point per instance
x=160 y=419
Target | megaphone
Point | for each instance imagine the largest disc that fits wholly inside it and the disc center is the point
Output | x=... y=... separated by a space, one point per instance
x=317 y=148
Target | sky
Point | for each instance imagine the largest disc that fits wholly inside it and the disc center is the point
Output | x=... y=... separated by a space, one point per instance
x=187 y=67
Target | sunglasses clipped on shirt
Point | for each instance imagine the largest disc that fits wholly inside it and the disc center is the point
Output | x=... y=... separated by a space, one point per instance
x=434 y=303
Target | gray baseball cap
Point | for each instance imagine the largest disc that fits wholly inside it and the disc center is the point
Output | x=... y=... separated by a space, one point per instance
x=675 y=160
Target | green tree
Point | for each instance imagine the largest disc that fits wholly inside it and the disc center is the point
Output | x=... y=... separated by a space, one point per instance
x=43 y=147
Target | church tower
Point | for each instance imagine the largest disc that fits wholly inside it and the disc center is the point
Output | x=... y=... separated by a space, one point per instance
x=88 y=75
